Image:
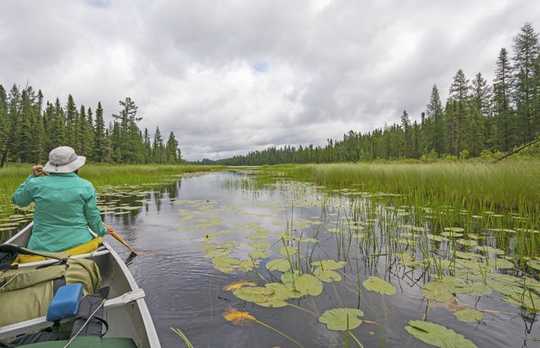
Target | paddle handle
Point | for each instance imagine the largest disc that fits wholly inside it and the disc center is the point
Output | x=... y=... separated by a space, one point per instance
x=119 y=238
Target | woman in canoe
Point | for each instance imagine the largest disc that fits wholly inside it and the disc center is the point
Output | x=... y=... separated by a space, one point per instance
x=65 y=205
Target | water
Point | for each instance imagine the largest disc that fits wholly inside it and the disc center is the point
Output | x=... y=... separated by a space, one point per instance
x=184 y=290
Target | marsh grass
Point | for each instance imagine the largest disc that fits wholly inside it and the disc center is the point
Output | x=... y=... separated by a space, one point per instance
x=100 y=175
x=510 y=187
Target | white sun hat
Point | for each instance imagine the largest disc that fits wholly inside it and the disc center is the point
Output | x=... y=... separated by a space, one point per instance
x=63 y=159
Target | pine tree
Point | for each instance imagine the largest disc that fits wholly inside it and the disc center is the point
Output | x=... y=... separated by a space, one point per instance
x=70 y=137
x=147 y=147
x=407 y=148
x=157 y=147
x=171 y=149
x=130 y=138
x=503 y=113
x=80 y=131
x=525 y=91
x=436 y=113
x=4 y=123
x=58 y=135
x=99 y=138
x=89 y=135
x=24 y=136
x=458 y=118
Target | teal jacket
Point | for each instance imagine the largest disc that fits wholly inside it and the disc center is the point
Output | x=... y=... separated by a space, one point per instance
x=65 y=207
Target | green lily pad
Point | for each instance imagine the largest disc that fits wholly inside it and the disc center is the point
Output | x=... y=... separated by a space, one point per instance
x=253 y=293
x=341 y=319
x=469 y=315
x=308 y=284
x=467 y=256
x=525 y=299
x=534 y=264
x=437 y=238
x=329 y=265
x=437 y=291
x=467 y=242
x=379 y=285
x=437 y=335
x=490 y=250
x=503 y=264
x=273 y=295
x=281 y=265
x=289 y=278
x=327 y=276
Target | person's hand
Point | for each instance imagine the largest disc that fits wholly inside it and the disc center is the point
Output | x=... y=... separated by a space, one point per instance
x=37 y=170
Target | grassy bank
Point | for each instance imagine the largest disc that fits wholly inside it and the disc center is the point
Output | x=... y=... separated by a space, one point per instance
x=100 y=175
x=512 y=186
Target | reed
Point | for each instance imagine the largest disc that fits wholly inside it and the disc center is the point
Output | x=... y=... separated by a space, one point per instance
x=511 y=187
x=100 y=175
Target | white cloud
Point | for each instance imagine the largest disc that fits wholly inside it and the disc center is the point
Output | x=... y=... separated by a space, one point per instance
x=230 y=77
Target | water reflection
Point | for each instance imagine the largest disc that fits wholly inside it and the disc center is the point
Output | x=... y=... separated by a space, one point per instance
x=202 y=233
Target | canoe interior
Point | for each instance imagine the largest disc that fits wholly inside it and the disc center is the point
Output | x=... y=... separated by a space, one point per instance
x=129 y=320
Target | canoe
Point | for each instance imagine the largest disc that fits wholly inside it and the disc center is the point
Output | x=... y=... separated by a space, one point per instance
x=125 y=308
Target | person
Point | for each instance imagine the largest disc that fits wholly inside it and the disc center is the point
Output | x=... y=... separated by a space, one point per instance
x=65 y=204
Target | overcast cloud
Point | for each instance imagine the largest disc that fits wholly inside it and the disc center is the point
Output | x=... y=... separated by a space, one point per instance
x=232 y=76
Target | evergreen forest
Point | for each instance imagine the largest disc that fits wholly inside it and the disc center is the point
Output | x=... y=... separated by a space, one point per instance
x=478 y=118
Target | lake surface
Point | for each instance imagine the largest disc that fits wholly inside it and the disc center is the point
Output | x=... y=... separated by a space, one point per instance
x=207 y=231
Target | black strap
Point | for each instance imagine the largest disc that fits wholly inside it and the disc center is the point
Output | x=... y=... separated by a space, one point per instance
x=95 y=322
x=58 y=283
x=88 y=305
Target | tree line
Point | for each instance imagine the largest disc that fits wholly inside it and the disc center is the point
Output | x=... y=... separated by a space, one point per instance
x=478 y=118
x=29 y=130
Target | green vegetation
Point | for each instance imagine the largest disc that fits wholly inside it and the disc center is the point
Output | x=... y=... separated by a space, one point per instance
x=100 y=175
x=29 y=130
x=510 y=187
x=334 y=243
x=478 y=119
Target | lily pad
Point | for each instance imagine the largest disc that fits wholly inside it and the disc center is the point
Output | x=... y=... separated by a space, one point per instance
x=329 y=265
x=467 y=242
x=327 y=276
x=281 y=265
x=437 y=291
x=437 y=335
x=341 y=319
x=308 y=284
x=437 y=238
x=534 y=264
x=469 y=315
x=379 y=285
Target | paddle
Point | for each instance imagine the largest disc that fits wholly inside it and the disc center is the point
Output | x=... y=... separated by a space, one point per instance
x=119 y=238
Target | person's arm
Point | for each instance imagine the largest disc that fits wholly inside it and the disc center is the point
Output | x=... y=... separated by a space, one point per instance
x=23 y=195
x=93 y=215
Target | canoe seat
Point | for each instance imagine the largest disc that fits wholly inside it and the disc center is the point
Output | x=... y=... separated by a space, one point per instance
x=87 y=342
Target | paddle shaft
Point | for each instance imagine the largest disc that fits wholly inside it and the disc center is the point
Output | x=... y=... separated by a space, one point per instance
x=119 y=238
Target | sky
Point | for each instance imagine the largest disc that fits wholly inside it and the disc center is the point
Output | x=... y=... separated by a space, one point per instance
x=233 y=76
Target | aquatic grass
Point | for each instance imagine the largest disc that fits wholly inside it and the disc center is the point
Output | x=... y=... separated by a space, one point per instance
x=511 y=186
x=101 y=175
x=183 y=337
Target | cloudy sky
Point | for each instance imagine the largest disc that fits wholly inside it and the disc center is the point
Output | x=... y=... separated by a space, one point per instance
x=232 y=76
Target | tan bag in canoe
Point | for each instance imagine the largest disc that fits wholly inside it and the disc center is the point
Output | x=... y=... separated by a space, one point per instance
x=26 y=293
